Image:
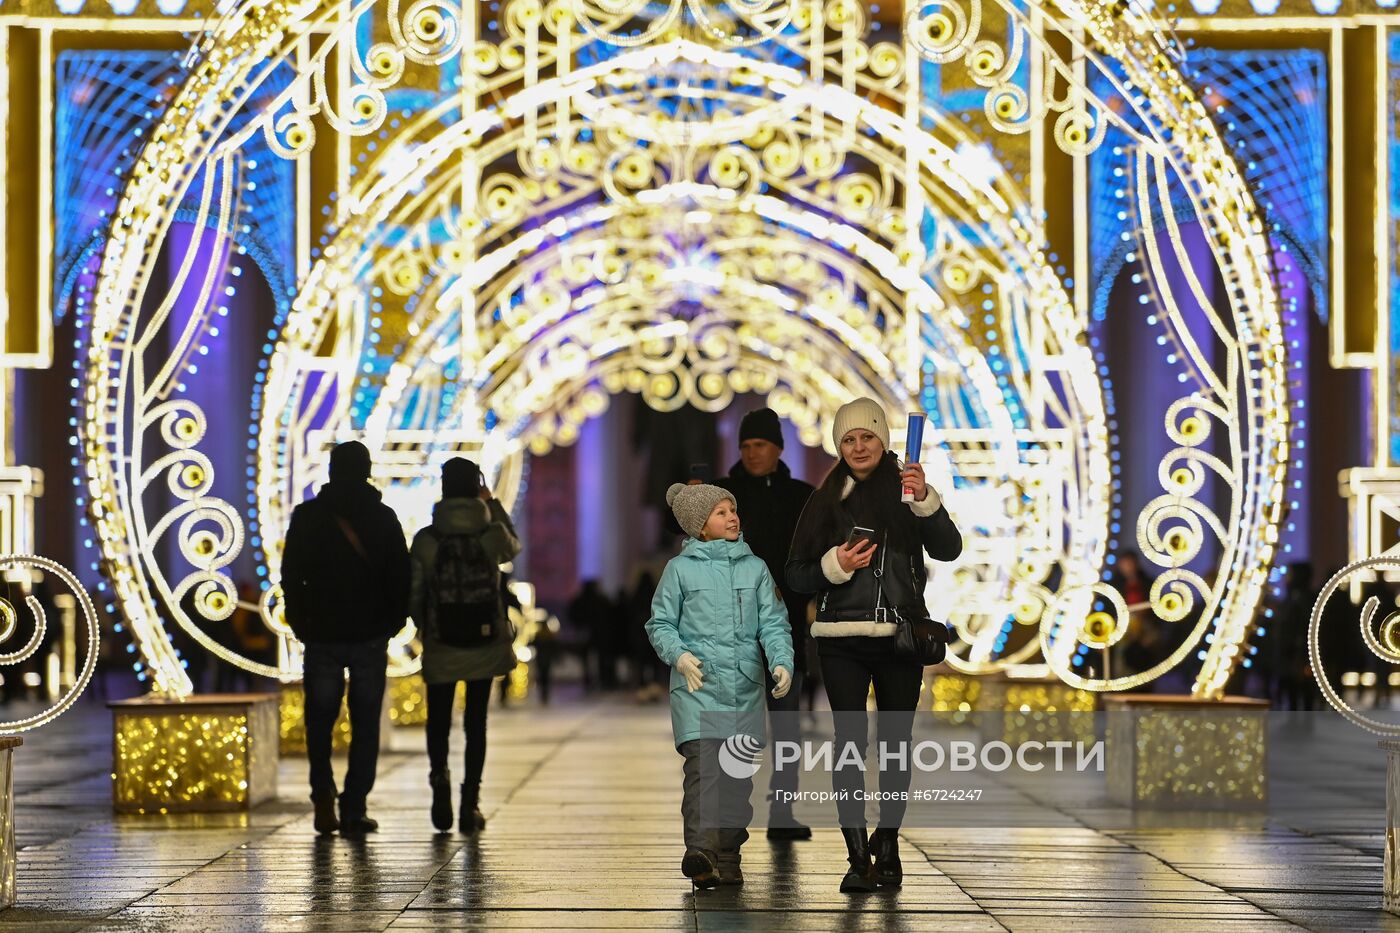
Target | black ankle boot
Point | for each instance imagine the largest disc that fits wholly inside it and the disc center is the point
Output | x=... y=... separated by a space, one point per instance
x=470 y=820
x=325 y=821
x=441 y=783
x=884 y=849
x=861 y=876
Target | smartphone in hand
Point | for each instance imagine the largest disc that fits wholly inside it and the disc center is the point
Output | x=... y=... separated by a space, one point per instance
x=859 y=534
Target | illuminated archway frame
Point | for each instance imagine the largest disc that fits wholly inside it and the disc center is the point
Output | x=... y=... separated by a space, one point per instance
x=1006 y=562
x=238 y=46
x=1174 y=597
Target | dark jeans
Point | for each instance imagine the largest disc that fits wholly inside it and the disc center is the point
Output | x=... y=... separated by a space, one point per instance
x=784 y=726
x=715 y=808
x=849 y=666
x=323 y=681
x=440 y=701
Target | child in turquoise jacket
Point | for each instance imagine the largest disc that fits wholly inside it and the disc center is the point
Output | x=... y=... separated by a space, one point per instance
x=715 y=605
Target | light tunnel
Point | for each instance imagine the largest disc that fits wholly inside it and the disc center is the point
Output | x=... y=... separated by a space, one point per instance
x=928 y=226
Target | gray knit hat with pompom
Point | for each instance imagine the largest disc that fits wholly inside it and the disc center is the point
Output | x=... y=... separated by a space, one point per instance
x=693 y=504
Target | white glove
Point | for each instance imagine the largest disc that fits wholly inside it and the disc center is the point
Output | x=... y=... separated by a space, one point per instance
x=784 y=682
x=689 y=665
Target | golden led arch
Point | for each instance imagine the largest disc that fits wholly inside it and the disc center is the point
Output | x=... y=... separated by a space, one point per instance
x=634 y=243
x=527 y=211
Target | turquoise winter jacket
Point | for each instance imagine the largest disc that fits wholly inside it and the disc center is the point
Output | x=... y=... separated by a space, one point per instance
x=717 y=600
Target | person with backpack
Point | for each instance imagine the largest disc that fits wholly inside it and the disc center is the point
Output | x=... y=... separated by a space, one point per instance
x=457 y=603
x=345 y=579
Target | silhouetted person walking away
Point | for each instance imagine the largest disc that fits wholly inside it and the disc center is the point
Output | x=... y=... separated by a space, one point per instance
x=458 y=603
x=650 y=673
x=345 y=578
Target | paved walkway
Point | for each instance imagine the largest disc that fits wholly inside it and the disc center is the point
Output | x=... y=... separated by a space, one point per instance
x=584 y=832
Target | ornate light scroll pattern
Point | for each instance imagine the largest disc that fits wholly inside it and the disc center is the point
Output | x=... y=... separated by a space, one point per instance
x=715 y=198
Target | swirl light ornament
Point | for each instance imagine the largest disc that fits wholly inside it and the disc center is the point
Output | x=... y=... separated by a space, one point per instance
x=1382 y=638
x=687 y=200
x=9 y=625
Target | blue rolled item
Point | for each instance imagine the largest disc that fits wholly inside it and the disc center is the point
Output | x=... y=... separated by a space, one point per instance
x=913 y=447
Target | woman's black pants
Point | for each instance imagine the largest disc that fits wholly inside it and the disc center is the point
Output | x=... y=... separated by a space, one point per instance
x=440 y=702
x=850 y=665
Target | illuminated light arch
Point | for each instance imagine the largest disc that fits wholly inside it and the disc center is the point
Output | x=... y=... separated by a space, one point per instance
x=988 y=206
x=1050 y=371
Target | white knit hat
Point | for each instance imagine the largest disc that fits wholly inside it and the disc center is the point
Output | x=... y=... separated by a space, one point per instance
x=862 y=413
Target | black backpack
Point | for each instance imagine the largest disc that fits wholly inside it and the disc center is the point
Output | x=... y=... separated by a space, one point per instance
x=464 y=595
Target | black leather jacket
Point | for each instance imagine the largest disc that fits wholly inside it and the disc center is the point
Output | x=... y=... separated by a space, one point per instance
x=903 y=576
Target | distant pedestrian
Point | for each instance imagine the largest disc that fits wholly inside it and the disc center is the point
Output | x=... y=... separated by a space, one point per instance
x=592 y=613
x=345 y=576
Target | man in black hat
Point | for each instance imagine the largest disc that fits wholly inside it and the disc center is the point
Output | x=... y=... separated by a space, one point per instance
x=770 y=502
x=345 y=579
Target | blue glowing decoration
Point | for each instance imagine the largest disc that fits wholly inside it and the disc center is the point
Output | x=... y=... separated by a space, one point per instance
x=266 y=225
x=1271 y=106
x=100 y=98
x=104 y=101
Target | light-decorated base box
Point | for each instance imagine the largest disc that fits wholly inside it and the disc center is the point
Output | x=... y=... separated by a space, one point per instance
x=1016 y=710
x=203 y=754
x=1169 y=751
x=292 y=722
x=8 y=744
x=1390 y=897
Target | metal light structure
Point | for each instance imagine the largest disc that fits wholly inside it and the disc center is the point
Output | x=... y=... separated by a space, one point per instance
x=17 y=654
x=687 y=201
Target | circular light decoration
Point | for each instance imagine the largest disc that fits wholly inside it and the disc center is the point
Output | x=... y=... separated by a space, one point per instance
x=1382 y=638
x=9 y=624
x=716 y=198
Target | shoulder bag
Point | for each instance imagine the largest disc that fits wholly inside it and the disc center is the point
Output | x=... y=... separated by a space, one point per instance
x=918 y=638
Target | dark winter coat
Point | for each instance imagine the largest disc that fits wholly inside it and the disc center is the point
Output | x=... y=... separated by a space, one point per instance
x=333 y=594
x=846 y=602
x=445 y=664
x=769 y=509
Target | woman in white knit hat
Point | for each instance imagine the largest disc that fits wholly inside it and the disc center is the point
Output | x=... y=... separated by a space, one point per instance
x=854 y=574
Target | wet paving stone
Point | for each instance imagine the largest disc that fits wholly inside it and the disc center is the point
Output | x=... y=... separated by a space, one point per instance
x=584 y=834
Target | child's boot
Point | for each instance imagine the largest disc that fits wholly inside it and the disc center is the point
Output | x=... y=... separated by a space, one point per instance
x=699 y=866
x=729 y=870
